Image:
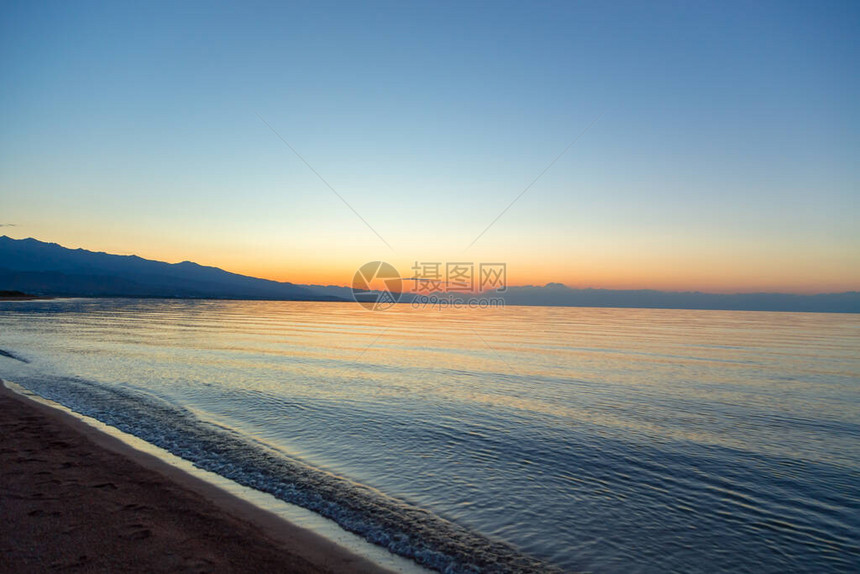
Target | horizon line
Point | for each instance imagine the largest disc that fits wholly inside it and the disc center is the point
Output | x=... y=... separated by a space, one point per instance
x=548 y=284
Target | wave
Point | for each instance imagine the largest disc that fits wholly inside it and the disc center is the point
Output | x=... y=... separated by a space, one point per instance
x=12 y=356
x=396 y=525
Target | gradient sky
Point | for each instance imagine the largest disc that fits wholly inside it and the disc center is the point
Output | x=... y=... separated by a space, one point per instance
x=723 y=152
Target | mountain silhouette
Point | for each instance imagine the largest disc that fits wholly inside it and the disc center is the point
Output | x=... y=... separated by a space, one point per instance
x=559 y=295
x=43 y=268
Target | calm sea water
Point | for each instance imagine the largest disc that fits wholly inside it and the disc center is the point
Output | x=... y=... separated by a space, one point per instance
x=607 y=440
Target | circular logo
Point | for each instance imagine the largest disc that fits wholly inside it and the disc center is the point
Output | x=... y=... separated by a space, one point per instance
x=376 y=286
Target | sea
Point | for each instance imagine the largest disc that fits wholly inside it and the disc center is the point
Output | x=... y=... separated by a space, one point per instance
x=517 y=439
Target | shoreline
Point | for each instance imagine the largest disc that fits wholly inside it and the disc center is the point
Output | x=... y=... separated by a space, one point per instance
x=64 y=481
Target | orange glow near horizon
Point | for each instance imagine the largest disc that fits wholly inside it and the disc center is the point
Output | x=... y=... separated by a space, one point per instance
x=704 y=278
x=659 y=269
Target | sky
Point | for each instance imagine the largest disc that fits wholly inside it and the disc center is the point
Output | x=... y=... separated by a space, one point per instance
x=709 y=146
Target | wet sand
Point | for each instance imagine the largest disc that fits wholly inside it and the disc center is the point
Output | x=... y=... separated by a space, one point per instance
x=75 y=499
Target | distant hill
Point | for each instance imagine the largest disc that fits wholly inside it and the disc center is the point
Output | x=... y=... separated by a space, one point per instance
x=16 y=296
x=43 y=268
x=557 y=294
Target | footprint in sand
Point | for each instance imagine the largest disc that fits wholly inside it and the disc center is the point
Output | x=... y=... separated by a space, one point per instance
x=137 y=531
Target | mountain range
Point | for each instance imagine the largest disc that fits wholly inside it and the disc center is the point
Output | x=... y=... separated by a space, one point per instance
x=50 y=269
x=557 y=294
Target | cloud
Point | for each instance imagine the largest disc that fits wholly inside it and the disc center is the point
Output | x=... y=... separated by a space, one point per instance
x=8 y=225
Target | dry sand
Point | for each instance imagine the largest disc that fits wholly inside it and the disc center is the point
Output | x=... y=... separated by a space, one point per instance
x=75 y=499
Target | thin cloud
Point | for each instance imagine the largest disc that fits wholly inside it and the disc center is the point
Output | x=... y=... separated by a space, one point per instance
x=8 y=225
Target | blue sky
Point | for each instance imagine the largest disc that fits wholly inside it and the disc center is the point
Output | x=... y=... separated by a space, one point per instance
x=724 y=155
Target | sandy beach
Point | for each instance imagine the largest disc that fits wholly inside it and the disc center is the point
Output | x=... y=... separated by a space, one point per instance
x=75 y=499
